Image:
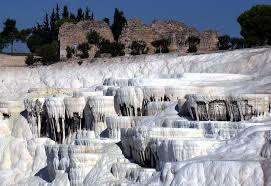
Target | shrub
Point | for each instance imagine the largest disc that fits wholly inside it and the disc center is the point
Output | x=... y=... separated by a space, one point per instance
x=80 y=63
x=70 y=51
x=193 y=41
x=139 y=47
x=30 y=60
x=115 y=48
x=94 y=38
x=161 y=45
x=98 y=54
x=49 y=53
x=84 y=48
x=34 y=42
x=104 y=45
x=238 y=43
x=192 y=49
x=224 y=42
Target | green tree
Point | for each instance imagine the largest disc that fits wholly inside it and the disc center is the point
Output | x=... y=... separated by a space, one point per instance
x=53 y=25
x=224 y=42
x=106 y=20
x=30 y=59
x=84 y=48
x=114 y=48
x=238 y=43
x=57 y=15
x=161 y=45
x=34 y=42
x=87 y=14
x=3 y=43
x=24 y=33
x=256 y=25
x=193 y=41
x=117 y=49
x=73 y=17
x=70 y=51
x=118 y=24
x=105 y=47
x=10 y=32
x=139 y=47
x=48 y=53
x=65 y=13
x=94 y=38
x=80 y=15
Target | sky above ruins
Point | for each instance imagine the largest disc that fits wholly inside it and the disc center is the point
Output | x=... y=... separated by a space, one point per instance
x=202 y=14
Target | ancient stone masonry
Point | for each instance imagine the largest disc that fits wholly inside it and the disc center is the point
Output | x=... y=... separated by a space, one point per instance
x=136 y=30
x=73 y=34
x=176 y=31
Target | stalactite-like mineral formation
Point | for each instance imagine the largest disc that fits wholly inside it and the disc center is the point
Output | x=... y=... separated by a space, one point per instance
x=146 y=122
x=100 y=107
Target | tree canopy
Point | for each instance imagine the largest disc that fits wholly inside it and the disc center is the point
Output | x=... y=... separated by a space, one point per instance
x=43 y=40
x=11 y=34
x=104 y=45
x=226 y=42
x=118 y=23
x=139 y=47
x=256 y=25
x=161 y=45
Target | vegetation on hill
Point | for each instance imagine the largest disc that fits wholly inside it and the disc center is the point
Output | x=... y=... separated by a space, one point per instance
x=161 y=45
x=226 y=42
x=11 y=34
x=256 y=25
x=192 y=42
x=42 y=39
x=105 y=46
x=138 y=48
x=118 y=23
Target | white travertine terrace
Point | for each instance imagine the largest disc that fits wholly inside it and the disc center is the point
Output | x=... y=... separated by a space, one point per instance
x=128 y=101
x=74 y=105
x=9 y=107
x=34 y=108
x=226 y=108
x=158 y=120
x=100 y=107
x=55 y=108
x=156 y=107
x=115 y=124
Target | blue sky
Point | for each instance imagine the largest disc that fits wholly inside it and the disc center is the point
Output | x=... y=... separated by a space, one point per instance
x=202 y=14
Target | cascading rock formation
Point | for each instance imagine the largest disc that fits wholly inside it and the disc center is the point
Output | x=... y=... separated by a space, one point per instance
x=158 y=120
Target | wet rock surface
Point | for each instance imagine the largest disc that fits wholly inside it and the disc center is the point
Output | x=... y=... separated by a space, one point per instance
x=143 y=128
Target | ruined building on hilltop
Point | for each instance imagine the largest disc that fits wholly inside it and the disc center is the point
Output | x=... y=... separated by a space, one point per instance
x=73 y=34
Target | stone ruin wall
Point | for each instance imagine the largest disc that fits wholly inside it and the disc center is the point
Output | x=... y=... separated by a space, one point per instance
x=73 y=34
x=176 y=31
